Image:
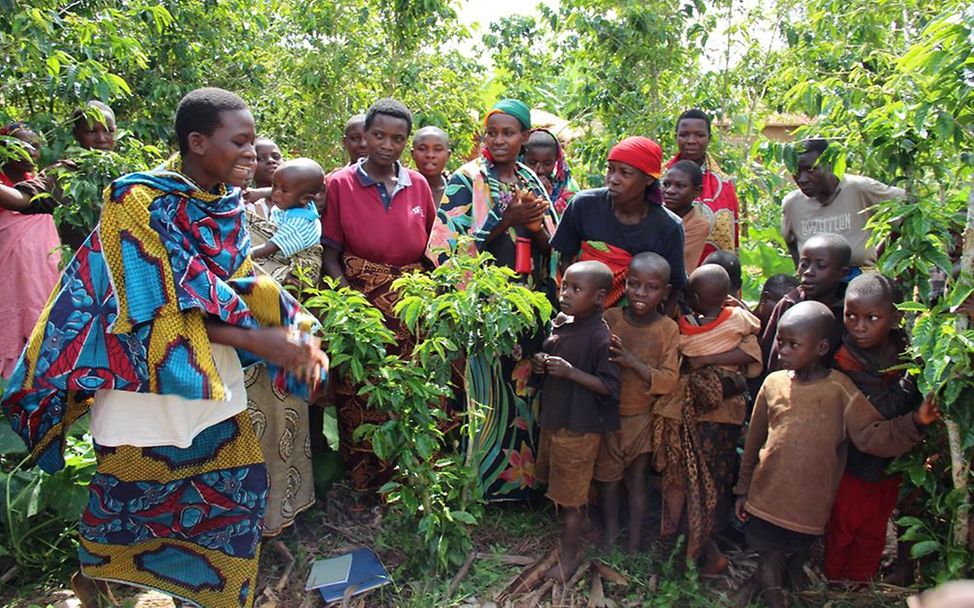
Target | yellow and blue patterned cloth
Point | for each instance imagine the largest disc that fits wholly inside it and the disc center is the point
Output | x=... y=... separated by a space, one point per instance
x=129 y=314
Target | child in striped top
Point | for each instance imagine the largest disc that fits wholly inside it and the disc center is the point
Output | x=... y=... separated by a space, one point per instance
x=295 y=184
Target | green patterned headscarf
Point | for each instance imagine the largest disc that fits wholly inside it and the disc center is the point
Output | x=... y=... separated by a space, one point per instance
x=513 y=107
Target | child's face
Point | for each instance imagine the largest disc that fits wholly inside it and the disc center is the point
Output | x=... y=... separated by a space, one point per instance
x=869 y=319
x=289 y=191
x=386 y=139
x=678 y=191
x=541 y=160
x=579 y=294
x=268 y=160
x=799 y=347
x=30 y=143
x=645 y=290
x=97 y=135
x=430 y=154
x=766 y=306
x=354 y=142
x=819 y=271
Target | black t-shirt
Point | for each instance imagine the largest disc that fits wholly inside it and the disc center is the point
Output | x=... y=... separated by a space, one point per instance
x=565 y=404
x=589 y=217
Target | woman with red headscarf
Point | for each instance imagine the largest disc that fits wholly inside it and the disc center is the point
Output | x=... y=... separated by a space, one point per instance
x=29 y=254
x=626 y=217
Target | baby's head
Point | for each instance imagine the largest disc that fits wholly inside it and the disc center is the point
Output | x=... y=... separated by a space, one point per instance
x=541 y=153
x=353 y=138
x=269 y=158
x=707 y=289
x=296 y=183
x=647 y=284
x=822 y=265
x=803 y=335
x=775 y=288
x=682 y=184
x=431 y=151
x=870 y=310
x=584 y=288
x=729 y=262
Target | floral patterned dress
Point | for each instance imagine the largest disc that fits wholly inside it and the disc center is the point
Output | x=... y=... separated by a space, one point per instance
x=474 y=201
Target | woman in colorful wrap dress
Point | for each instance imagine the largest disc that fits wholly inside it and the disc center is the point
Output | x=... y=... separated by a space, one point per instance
x=148 y=329
x=376 y=228
x=626 y=217
x=500 y=202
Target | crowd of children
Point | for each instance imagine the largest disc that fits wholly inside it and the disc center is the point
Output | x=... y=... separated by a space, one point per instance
x=677 y=376
x=832 y=410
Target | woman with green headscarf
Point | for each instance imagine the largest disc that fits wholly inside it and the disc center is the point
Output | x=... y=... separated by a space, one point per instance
x=502 y=204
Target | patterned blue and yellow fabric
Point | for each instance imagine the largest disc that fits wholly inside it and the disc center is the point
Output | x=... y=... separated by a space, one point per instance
x=128 y=313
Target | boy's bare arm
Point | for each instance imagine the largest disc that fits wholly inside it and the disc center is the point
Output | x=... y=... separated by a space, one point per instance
x=13 y=199
x=757 y=434
x=264 y=250
x=558 y=367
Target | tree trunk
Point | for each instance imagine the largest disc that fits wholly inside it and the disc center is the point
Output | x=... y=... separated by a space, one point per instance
x=960 y=464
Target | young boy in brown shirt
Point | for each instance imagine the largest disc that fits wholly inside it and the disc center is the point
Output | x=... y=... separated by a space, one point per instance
x=579 y=400
x=803 y=419
x=644 y=345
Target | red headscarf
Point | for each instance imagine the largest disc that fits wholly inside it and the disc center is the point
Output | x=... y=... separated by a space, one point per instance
x=641 y=153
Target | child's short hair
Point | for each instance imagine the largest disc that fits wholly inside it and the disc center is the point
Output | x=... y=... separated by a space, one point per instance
x=434 y=131
x=199 y=112
x=309 y=173
x=777 y=286
x=836 y=243
x=654 y=261
x=874 y=284
x=389 y=107
x=78 y=117
x=355 y=120
x=809 y=315
x=729 y=262
x=694 y=114
x=541 y=139
x=600 y=273
x=691 y=169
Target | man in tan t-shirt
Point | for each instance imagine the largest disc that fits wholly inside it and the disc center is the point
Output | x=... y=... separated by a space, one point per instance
x=825 y=203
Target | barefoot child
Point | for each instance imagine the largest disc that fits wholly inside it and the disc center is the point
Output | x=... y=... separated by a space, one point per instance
x=682 y=184
x=856 y=532
x=579 y=400
x=431 y=151
x=644 y=345
x=822 y=267
x=719 y=346
x=804 y=417
x=296 y=183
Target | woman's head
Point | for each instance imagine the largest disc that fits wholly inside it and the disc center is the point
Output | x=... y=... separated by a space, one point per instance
x=635 y=165
x=216 y=134
x=541 y=152
x=388 y=124
x=27 y=142
x=693 y=135
x=681 y=185
x=93 y=126
x=506 y=130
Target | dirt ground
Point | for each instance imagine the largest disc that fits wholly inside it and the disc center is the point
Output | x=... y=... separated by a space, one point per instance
x=506 y=543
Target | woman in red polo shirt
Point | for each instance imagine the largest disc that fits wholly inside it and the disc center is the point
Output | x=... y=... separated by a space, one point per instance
x=376 y=228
